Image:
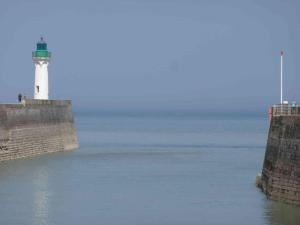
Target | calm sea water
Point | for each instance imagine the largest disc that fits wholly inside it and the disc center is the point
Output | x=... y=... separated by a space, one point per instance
x=136 y=169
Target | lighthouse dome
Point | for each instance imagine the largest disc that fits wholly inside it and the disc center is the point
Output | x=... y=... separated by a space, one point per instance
x=41 y=52
x=41 y=45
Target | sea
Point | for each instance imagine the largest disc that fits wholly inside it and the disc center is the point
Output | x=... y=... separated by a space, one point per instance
x=147 y=169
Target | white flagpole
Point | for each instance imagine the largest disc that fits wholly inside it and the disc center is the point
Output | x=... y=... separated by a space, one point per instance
x=281 y=62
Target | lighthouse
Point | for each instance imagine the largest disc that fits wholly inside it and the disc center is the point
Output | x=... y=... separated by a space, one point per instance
x=41 y=58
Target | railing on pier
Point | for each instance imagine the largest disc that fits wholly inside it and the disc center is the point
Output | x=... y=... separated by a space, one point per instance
x=286 y=110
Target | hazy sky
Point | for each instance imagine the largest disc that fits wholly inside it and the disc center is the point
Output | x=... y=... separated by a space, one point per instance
x=154 y=54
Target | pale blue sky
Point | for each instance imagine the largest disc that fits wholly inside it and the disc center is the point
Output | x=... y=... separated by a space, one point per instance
x=154 y=54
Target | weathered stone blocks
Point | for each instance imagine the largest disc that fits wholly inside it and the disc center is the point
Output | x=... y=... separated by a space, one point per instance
x=280 y=178
x=36 y=127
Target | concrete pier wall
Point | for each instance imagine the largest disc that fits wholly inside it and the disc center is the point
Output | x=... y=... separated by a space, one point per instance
x=280 y=178
x=36 y=127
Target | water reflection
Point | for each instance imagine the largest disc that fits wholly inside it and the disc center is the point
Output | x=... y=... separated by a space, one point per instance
x=41 y=196
x=282 y=214
x=152 y=172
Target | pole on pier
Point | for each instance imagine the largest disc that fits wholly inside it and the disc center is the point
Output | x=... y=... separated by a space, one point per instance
x=281 y=62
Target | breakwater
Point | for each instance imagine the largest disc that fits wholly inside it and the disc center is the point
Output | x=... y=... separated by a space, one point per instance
x=280 y=178
x=36 y=127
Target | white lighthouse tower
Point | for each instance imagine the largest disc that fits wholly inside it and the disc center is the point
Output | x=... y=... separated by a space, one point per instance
x=41 y=58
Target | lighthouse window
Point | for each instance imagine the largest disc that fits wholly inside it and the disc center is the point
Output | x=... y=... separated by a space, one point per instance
x=38 y=88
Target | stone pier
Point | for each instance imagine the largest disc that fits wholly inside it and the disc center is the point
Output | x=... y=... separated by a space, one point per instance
x=280 y=177
x=36 y=127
